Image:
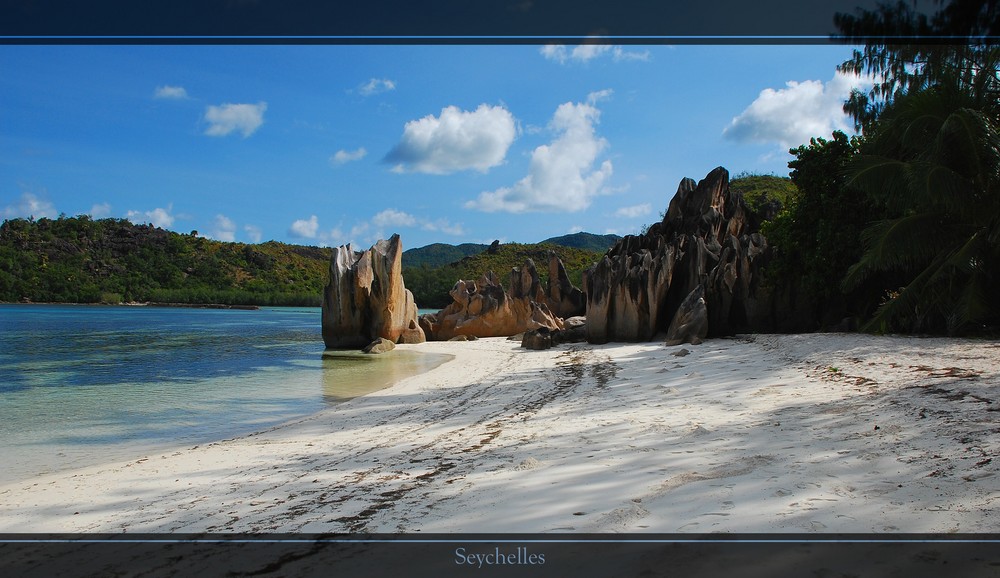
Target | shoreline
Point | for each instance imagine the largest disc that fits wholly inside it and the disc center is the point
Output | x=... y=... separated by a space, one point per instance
x=380 y=372
x=770 y=433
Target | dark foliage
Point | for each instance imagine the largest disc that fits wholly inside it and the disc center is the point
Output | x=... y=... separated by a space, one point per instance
x=816 y=238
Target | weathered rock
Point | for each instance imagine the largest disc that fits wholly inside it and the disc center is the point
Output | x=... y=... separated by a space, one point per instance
x=707 y=238
x=464 y=338
x=484 y=309
x=537 y=339
x=690 y=323
x=366 y=299
x=380 y=345
x=564 y=299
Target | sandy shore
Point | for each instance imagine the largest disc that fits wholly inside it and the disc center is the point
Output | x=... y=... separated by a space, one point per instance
x=810 y=433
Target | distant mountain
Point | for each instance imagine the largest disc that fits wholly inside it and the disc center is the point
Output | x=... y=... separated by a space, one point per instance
x=438 y=254
x=588 y=241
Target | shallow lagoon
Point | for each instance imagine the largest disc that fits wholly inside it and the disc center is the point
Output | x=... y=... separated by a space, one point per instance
x=82 y=385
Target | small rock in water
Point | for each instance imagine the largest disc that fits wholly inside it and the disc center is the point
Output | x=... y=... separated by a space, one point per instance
x=681 y=353
x=380 y=345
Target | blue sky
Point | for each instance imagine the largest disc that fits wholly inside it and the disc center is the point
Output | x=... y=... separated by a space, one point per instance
x=324 y=145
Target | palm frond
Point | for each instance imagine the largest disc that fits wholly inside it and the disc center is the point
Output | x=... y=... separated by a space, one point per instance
x=906 y=302
x=972 y=306
x=898 y=244
x=883 y=178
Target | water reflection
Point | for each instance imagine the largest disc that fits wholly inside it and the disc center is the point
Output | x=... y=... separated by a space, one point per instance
x=348 y=374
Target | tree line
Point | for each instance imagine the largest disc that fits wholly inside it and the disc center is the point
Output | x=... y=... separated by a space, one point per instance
x=85 y=260
x=899 y=228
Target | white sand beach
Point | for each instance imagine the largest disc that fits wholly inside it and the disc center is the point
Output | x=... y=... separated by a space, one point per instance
x=799 y=433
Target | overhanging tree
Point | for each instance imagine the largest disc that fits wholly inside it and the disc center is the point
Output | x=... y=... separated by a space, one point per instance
x=933 y=158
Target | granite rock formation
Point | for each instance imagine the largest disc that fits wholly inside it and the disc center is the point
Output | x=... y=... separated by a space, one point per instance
x=537 y=339
x=483 y=308
x=563 y=299
x=366 y=299
x=690 y=322
x=709 y=238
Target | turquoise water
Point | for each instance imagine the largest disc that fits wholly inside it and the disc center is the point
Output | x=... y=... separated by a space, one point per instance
x=83 y=385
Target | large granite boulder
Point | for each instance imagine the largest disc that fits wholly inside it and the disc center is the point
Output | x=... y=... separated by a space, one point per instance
x=483 y=308
x=708 y=237
x=366 y=299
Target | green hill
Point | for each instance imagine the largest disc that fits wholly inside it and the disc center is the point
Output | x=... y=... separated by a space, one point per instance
x=588 y=241
x=85 y=260
x=82 y=260
x=438 y=254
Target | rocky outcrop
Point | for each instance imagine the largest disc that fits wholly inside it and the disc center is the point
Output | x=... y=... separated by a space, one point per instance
x=690 y=323
x=708 y=238
x=563 y=299
x=483 y=308
x=537 y=339
x=380 y=345
x=366 y=299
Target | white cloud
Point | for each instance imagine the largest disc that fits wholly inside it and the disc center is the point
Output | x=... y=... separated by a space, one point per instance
x=457 y=140
x=792 y=115
x=561 y=176
x=345 y=156
x=600 y=95
x=634 y=211
x=226 y=118
x=170 y=92
x=253 y=233
x=158 y=217
x=588 y=52
x=377 y=86
x=575 y=229
x=444 y=226
x=100 y=210
x=305 y=228
x=393 y=218
x=30 y=206
x=358 y=230
x=225 y=229
x=622 y=55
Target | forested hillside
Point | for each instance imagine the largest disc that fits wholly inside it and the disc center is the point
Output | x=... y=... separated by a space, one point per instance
x=588 y=241
x=82 y=260
x=438 y=254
